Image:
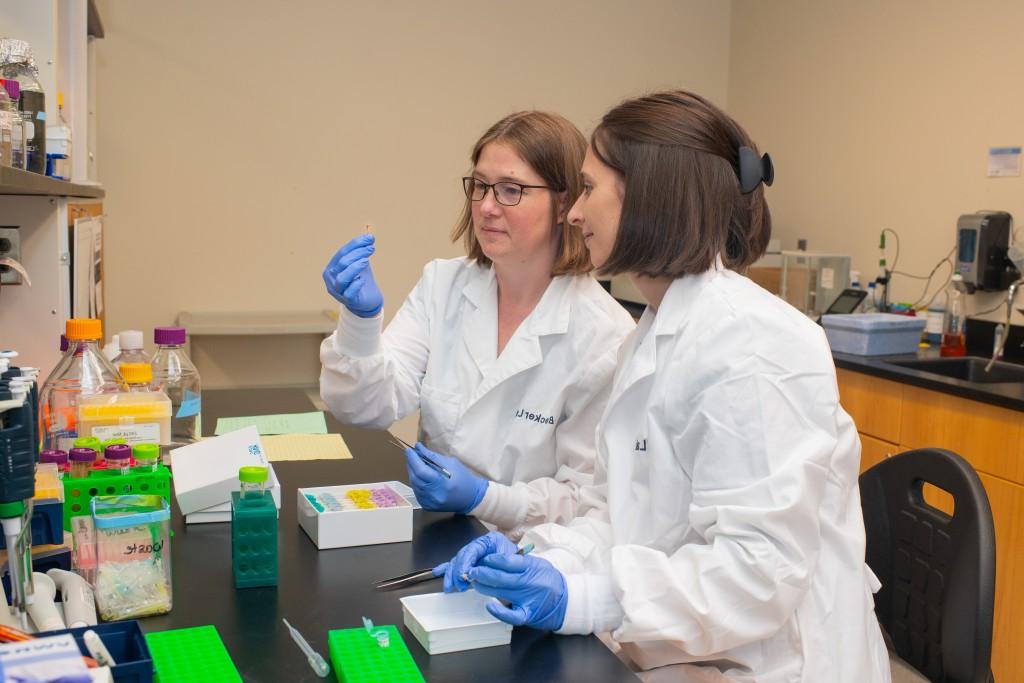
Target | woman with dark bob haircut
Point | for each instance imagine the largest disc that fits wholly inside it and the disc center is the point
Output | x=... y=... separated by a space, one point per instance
x=723 y=529
x=508 y=353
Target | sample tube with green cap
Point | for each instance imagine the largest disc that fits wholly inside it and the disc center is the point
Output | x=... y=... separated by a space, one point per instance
x=147 y=456
x=252 y=482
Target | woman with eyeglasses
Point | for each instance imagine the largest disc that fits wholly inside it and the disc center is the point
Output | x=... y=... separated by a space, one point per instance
x=508 y=353
x=723 y=529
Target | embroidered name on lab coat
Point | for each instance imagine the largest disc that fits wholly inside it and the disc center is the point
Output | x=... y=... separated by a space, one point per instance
x=641 y=445
x=525 y=414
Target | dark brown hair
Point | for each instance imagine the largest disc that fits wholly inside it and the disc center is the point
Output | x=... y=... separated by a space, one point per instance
x=554 y=148
x=678 y=158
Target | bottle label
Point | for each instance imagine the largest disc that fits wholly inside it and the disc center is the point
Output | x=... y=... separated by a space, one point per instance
x=132 y=434
x=191 y=404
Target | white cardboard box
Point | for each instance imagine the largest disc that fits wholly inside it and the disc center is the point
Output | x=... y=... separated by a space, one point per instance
x=222 y=512
x=345 y=528
x=206 y=472
x=452 y=622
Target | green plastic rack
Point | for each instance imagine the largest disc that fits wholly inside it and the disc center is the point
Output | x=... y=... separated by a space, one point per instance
x=254 y=540
x=191 y=655
x=357 y=658
x=78 y=493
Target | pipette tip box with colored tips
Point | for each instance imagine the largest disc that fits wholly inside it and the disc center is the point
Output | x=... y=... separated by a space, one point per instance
x=361 y=514
x=358 y=657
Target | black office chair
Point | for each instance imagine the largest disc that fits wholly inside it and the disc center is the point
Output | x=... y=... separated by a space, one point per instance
x=937 y=572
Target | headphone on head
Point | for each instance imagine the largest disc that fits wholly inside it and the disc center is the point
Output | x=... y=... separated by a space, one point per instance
x=754 y=170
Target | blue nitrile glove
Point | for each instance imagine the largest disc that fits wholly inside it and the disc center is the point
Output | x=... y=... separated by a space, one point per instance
x=436 y=492
x=469 y=557
x=349 y=278
x=535 y=589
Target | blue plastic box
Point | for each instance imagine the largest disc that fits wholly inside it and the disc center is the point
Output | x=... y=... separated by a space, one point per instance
x=126 y=644
x=47 y=524
x=873 y=334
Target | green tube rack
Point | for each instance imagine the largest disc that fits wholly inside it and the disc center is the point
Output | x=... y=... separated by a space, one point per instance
x=191 y=655
x=357 y=658
x=254 y=540
x=78 y=493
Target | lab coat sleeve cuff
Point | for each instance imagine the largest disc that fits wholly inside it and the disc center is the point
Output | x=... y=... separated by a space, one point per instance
x=505 y=507
x=591 y=606
x=357 y=337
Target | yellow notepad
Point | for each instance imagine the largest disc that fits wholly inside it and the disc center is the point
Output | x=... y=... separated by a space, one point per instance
x=283 y=447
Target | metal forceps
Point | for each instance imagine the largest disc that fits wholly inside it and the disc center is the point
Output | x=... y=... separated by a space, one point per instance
x=421 y=575
x=399 y=443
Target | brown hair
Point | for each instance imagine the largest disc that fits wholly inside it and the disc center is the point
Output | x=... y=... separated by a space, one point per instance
x=554 y=148
x=678 y=157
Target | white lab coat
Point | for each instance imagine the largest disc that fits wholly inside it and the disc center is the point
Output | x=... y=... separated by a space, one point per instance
x=724 y=524
x=525 y=420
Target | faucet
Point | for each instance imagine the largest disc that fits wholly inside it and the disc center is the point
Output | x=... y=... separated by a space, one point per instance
x=997 y=350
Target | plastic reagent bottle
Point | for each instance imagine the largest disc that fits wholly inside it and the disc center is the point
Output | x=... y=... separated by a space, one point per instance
x=131 y=344
x=954 y=321
x=6 y=125
x=119 y=456
x=84 y=371
x=18 y=156
x=16 y=63
x=58 y=143
x=175 y=375
x=147 y=456
x=137 y=376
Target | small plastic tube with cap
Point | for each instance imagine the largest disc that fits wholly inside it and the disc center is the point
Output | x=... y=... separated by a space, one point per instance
x=82 y=462
x=252 y=482
x=119 y=455
x=147 y=456
x=57 y=457
x=93 y=443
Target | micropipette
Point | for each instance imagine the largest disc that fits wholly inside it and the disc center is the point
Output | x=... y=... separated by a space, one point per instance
x=319 y=666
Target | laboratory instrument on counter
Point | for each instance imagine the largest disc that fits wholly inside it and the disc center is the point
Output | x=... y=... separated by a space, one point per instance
x=954 y=320
x=82 y=462
x=17 y=64
x=147 y=456
x=131 y=344
x=847 y=301
x=119 y=457
x=84 y=371
x=76 y=597
x=811 y=281
x=43 y=609
x=982 y=243
x=402 y=445
x=316 y=662
x=175 y=375
x=421 y=575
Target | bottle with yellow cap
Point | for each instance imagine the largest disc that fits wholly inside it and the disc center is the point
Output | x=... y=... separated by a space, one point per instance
x=84 y=371
x=139 y=415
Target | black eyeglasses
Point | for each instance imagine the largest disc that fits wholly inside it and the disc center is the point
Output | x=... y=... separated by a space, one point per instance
x=505 y=193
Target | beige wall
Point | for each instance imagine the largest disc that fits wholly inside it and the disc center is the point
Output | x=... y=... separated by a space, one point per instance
x=880 y=114
x=242 y=142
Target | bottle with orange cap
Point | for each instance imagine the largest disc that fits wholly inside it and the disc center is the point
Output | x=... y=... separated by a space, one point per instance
x=84 y=371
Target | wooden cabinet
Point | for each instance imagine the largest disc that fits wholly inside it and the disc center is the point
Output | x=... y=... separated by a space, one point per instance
x=992 y=440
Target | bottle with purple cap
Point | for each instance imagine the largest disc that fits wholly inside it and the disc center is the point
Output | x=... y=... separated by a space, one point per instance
x=82 y=461
x=175 y=375
x=119 y=457
x=57 y=457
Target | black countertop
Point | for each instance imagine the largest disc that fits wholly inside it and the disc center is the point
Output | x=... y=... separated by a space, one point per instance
x=1006 y=395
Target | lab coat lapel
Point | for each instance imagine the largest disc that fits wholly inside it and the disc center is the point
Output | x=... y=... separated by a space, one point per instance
x=523 y=350
x=480 y=326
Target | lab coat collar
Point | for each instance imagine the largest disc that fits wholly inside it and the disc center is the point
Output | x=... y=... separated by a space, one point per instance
x=669 y=320
x=552 y=313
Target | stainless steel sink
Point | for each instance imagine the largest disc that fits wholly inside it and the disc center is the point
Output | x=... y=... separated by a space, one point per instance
x=967 y=368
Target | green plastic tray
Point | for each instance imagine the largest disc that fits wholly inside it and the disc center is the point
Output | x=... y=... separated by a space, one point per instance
x=191 y=655
x=357 y=658
x=78 y=493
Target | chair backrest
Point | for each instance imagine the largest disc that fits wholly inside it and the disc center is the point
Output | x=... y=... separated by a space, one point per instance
x=937 y=572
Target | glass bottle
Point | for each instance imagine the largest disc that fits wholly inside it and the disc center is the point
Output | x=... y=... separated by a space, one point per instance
x=58 y=144
x=954 y=320
x=16 y=63
x=6 y=126
x=85 y=373
x=175 y=375
x=13 y=91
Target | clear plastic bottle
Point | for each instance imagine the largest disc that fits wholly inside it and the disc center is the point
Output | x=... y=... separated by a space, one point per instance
x=16 y=63
x=13 y=92
x=137 y=376
x=954 y=320
x=252 y=482
x=6 y=126
x=131 y=344
x=175 y=375
x=84 y=371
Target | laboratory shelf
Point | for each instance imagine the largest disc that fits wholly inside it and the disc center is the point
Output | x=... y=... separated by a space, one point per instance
x=258 y=322
x=14 y=181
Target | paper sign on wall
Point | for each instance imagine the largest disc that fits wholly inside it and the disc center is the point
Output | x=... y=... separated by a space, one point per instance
x=1003 y=162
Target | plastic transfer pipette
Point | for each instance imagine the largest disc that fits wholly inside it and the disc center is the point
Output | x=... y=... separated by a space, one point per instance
x=316 y=662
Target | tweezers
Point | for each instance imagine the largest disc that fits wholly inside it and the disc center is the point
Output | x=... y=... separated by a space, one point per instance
x=421 y=575
x=399 y=443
